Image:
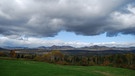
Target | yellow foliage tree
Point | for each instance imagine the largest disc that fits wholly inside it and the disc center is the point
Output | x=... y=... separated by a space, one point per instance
x=12 y=53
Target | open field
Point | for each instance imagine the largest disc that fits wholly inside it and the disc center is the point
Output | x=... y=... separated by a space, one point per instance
x=32 y=68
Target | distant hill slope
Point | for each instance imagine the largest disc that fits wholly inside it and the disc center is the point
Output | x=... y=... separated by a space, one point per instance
x=31 y=68
x=90 y=48
x=2 y=49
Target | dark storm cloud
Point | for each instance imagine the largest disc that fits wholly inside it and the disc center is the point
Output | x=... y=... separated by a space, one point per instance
x=45 y=18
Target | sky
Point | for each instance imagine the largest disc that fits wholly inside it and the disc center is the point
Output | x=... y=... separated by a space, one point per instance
x=78 y=23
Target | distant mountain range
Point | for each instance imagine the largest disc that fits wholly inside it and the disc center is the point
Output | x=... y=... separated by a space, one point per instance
x=54 y=47
x=3 y=49
x=90 y=48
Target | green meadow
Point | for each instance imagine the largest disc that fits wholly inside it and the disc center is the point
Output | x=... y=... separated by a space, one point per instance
x=33 y=68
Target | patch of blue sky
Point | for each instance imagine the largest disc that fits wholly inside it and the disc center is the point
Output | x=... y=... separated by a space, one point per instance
x=70 y=36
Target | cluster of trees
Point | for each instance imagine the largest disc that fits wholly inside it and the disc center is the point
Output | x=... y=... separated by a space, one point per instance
x=26 y=56
x=2 y=54
x=13 y=54
x=116 y=60
x=52 y=57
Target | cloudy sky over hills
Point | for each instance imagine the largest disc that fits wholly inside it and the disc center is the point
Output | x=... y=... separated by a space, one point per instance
x=67 y=22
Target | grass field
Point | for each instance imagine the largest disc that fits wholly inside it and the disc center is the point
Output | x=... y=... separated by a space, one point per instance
x=32 y=68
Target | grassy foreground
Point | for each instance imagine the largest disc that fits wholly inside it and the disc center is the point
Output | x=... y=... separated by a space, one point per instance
x=32 y=68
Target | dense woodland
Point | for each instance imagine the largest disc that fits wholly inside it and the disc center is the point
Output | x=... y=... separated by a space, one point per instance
x=115 y=60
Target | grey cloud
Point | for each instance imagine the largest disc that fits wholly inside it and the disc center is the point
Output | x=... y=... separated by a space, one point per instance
x=45 y=18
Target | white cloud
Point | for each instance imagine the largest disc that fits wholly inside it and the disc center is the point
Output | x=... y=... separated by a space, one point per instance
x=36 y=42
x=124 y=20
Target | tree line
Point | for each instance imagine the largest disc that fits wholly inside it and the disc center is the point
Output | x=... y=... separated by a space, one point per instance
x=115 y=60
